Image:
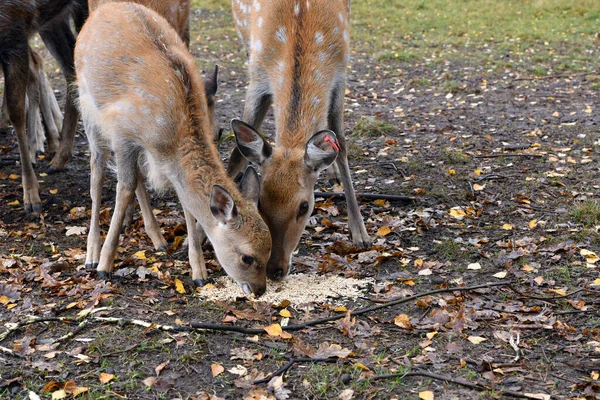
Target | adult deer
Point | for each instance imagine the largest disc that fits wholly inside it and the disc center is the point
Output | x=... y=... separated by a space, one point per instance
x=176 y=12
x=142 y=98
x=21 y=19
x=298 y=55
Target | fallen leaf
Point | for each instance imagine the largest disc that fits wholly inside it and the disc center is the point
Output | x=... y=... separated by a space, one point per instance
x=105 y=378
x=79 y=389
x=334 y=350
x=426 y=395
x=507 y=227
x=476 y=339
x=340 y=309
x=150 y=381
x=273 y=330
x=59 y=394
x=76 y=230
x=238 y=370
x=501 y=275
x=403 y=321
x=14 y=203
x=217 y=369
x=533 y=223
x=383 y=231
x=346 y=394
x=179 y=286
x=160 y=367
x=141 y=255
x=285 y=313
x=53 y=191
x=474 y=266
x=478 y=188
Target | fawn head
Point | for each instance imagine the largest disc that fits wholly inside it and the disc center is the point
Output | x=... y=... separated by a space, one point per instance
x=240 y=237
x=286 y=198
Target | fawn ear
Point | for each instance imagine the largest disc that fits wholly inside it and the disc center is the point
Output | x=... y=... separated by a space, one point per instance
x=252 y=146
x=321 y=150
x=250 y=185
x=222 y=205
x=211 y=83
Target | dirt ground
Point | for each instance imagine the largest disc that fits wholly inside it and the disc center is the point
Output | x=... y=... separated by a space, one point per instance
x=502 y=165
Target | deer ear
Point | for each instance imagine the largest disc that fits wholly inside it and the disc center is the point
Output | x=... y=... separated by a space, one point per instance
x=252 y=146
x=211 y=83
x=321 y=150
x=222 y=205
x=250 y=185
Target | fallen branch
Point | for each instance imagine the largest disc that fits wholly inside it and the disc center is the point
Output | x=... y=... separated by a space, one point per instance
x=369 y=196
x=549 y=299
x=458 y=381
x=249 y=331
x=287 y=366
x=8 y=351
x=507 y=155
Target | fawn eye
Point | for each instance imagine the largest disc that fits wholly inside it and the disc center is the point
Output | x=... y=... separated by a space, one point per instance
x=303 y=209
x=249 y=260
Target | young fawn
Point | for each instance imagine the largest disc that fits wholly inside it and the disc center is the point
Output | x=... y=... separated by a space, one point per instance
x=142 y=98
x=176 y=12
x=298 y=55
x=20 y=20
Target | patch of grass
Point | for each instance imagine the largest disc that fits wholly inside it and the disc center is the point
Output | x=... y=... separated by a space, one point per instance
x=419 y=82
x=539 y=71
x=451 y=87
x=454 y=156
x=213 y=5
x=586 y=213
x=595 y=86
x=372 y=127
x=447 y=248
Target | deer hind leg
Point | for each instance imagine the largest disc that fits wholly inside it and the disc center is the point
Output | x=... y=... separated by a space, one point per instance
x=61 y=43
x=336 y=123
x=127 y=173
x=195 y=238
x=35 y=135
x=51 y=115
x=4 y=121
x=150 y=222
x=98 y=161
x=258 y=101
x=16 y=74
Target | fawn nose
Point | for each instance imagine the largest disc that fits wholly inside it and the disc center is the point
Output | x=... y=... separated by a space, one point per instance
x=260 y=292
x=276 y=275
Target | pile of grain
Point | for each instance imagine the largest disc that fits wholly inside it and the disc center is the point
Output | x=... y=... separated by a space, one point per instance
x=297 y=288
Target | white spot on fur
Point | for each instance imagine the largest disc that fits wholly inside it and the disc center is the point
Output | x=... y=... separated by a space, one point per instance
x=336 y=30
x=257 y=6
x=297 y=9
x=259 y=22
x=346 y=36
x=257 y=45
x=319 y=37
x=281 y=35
x=315 y=100
x=322 y=56
x=341 y=17
x=307 y=5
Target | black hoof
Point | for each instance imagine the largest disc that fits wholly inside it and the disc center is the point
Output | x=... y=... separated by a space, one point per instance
x=92 y=265
x=104 y=275
x=52 y=170
x=162 y=248
x=202 y=282
x=52 y=154
x=34 y=208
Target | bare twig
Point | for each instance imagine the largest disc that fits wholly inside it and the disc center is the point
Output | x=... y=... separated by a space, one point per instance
x=8 y=351
x=550 y=299
x=491 y=177
x=507 y=155
x=287 y=366
x=369 y=196
x=458 y=381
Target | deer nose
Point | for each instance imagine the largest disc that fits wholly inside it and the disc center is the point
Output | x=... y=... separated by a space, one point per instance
x=260 y=292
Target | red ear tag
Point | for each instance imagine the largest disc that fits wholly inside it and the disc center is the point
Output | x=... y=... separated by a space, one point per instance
x=334 y=143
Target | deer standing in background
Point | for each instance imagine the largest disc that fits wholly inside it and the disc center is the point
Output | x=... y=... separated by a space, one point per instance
x=142 y=98
x=298 y=55
x=176 y=12
x=20 y=20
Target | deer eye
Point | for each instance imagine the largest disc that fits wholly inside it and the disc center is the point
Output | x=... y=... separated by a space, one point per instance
x=248 y=260
x=303 y=209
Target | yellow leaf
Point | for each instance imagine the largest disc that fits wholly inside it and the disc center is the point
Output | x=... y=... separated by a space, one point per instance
x=507 y=227
x=457 y=213
x=476 y=339
x=500 y=275
x=426 y=395
x=273 y=330
x=340 y=309
x=596 y=282
x=71 y=305
x=539 y=280
x=4 y=299
x=14 y=203
x=379 y=202
x=478 y=188
x=361 y=366
x=527 y=268
x=179 y=286
x=9 y=306
x=533 y=223
x=383 y=231
x=430 y=335
x=13 y=176
x=285 y=313
x=141 y=255
x=105 y=378
x=53 y=191
x=78 y=390
x=451 y=172
x=590 y=256
x=217 y=369
x=477 y=172
x=559 y=292
x=594 y=375
x=59 y=394
x=418 y=263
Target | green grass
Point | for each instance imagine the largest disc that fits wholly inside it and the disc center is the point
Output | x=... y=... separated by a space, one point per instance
x=586 y=213
x=372 y=127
